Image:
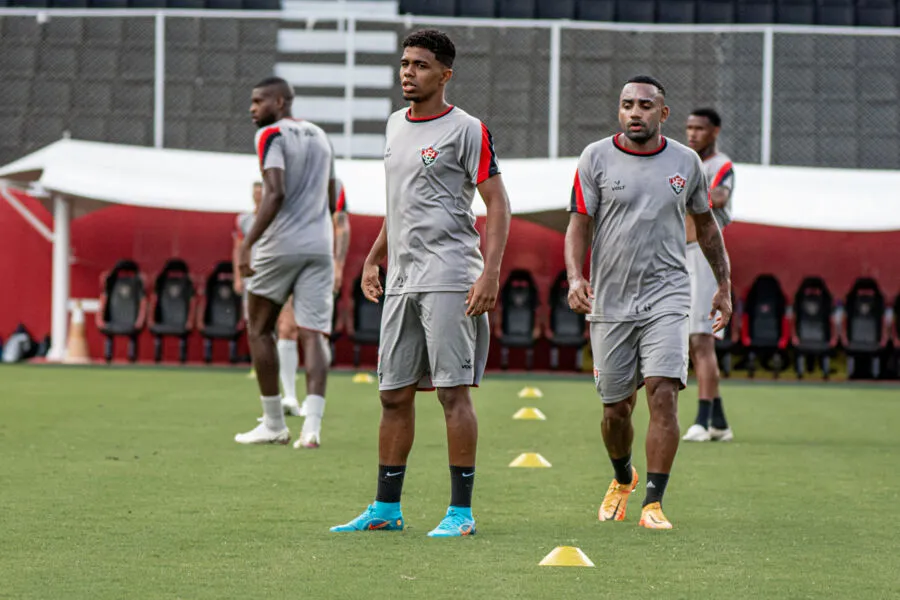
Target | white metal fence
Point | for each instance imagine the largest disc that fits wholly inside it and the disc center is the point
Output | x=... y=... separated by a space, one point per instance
x=812 y=96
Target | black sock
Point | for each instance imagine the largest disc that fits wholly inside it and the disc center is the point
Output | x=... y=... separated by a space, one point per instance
x=622 y=467
x=656 y=487
x=462 y=480
x=718 y=414
x=390 y=483
x=704 y=407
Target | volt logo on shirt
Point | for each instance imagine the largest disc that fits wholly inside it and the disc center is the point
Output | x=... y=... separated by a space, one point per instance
x=429 y=155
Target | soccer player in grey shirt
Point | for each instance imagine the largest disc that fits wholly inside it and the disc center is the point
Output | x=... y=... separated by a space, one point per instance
x=434 y=329
x=703 y=126
x=292 y=241
x=632 y=191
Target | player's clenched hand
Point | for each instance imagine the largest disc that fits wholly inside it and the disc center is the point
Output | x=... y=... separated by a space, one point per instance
x=580 y=295
x=721 y=304
x=244 y=261
x=482 y=296
x=371 y=283
x=238 y=286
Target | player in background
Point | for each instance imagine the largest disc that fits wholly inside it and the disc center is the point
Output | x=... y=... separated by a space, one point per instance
x=439 y=288
x=703 y=127
x=294 y=246
x=289 y=333
x=242 y=225
x=632 y=191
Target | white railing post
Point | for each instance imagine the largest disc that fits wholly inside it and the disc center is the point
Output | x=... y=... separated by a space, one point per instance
x=59 y=301
x=159 y=82
x=553 y=116
x=765 y=140
x=348 y=87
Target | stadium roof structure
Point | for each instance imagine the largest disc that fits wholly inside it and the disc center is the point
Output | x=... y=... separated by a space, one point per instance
x=73 y=177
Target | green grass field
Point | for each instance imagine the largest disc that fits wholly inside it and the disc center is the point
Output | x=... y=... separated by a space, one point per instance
x=125 y=483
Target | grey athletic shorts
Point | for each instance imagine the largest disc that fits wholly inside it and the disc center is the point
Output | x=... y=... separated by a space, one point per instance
x=703 y=288
x=627 y=352
x=310 y=278
x=426 y=338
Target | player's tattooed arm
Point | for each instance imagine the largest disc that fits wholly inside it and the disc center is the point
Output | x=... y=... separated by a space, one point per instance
x=713 y=246
x=578 y=236
x=710 y=239
x=341 y=245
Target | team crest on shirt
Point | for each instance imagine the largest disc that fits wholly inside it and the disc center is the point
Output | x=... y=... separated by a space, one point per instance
x=677 y=181
x=429 y=155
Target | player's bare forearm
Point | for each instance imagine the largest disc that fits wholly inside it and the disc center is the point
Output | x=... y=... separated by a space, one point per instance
x=235 y=260
x=578 y=235
x=341 y=237
x=710 y=239
x=272 y=199
x=493 y=192
x=332 y=196
x=719 y=197
x=379 y=249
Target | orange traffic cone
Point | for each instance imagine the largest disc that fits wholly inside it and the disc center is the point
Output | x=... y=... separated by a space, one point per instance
x=76 y=346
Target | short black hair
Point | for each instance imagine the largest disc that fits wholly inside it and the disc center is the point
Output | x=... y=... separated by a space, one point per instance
x=710 y=113
x=257 y=184
x=648 y=79
x=436 y=41
x=283 y=87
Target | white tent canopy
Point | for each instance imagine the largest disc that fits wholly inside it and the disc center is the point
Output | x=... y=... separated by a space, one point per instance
x=90 y=174
x=74 y=177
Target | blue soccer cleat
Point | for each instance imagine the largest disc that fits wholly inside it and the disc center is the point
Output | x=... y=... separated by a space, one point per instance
x=457 y=523
x=370 y=520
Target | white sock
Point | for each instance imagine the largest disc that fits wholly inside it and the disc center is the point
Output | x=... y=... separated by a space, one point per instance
x=288 y=360
x=273 y=415
x=315 y=410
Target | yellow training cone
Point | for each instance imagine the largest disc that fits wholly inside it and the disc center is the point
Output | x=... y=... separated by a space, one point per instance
x=531 y=459
x=363 y=378
x=530 y=392
x=530 y=414
x=251 y=374
x=566 y=556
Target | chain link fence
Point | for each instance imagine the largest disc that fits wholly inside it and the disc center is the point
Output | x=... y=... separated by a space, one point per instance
x=835 y=98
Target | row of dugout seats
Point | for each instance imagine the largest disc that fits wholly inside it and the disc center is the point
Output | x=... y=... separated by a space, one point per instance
x=182 y=4
x=815 y=326
x=765 y=330
x=175 y=306
x=868 y=13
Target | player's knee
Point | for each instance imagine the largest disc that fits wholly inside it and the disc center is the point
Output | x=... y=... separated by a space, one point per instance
x=663 y=397
x=455 y=398
x=287 y=331
x=618 y=413
x=396 y=400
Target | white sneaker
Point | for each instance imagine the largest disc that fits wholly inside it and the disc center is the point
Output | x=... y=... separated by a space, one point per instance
x=696 y=433
x=291 y=407
x=721 y=435
x=261 y=434
x=308 y=440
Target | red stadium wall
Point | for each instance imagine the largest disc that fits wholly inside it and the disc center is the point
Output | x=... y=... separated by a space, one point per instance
x=152 y=236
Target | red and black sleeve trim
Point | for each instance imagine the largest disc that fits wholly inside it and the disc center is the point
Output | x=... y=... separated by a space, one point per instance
x=724 y=171
x=265 y=142
x=576 y=203
x=663 y=143
x=487 y=163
